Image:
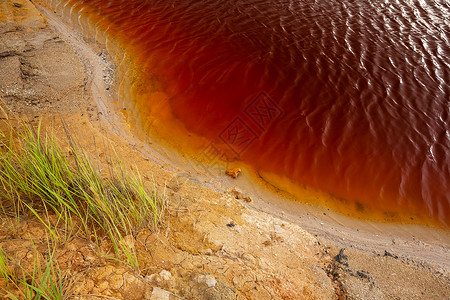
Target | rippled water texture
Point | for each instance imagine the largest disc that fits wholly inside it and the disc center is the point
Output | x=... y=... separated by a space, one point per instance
x=349 y=97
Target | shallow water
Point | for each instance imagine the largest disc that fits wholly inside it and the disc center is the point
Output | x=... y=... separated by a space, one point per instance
x=347 y=97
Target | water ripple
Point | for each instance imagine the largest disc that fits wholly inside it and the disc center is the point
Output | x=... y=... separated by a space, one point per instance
x=363 y=85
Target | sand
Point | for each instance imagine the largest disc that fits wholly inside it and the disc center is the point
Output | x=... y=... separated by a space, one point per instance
x=212 y=245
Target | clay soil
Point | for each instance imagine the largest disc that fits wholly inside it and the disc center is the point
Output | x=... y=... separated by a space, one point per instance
x=213 y=242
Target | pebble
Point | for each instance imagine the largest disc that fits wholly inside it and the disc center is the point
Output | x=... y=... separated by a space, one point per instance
x=153 y=278
x=239 y=195
x=209 y=280
x=165 y=275
x=160 y=294
x=233 y=172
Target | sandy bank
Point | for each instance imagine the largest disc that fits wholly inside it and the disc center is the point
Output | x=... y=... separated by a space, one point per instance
x=213 y=246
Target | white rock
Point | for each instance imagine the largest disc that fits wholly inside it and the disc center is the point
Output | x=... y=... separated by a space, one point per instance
x=160 y=294
x=151 y=277
x=210 y=281
x=165 y=275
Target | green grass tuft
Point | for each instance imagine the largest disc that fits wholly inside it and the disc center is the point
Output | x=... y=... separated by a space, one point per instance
x=38 y=178
x=44 y=280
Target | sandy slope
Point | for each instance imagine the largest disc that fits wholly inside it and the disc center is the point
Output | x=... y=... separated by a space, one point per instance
x=214 y=246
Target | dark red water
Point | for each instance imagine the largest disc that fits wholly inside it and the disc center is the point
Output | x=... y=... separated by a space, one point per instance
x=349 y=97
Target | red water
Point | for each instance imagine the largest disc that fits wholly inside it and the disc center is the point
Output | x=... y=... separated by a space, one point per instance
x=348 y=97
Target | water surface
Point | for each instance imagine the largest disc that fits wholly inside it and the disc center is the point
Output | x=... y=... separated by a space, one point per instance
x=347 y=97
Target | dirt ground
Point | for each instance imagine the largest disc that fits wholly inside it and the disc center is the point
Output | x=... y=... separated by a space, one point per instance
x=213 y=244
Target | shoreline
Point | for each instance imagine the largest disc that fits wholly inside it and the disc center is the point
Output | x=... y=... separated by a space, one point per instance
x=413 y=241
x=151 y=129
x=296 y=245
x=149 y=65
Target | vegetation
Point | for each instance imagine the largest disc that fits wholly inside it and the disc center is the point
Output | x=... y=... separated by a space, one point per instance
x=70 y=195
x=44 y=280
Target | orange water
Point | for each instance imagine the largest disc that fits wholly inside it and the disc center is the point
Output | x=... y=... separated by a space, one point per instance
x=347 y=97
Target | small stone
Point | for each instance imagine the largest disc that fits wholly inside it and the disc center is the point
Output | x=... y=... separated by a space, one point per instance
x=268 y=243
x=160 y=294
x=233 y=172
x=153 y=278
x=240 y=196
x=209 y=280
x=90 y=258
x=69 y=151
x=130 y=279
x=165 y=275
x=237 y=193
x=17 y=5
x=150 y=278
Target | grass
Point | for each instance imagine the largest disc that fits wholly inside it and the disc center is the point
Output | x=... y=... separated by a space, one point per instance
x=68 y=195
x=45 y=279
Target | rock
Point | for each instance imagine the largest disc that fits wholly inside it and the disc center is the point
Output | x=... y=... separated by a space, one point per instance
x=160 y=294
x=153 y=278
x=341 y=257
x=165 y=275
x=209 y=280
x=233 y=172
x=240 y=196
x=130 y=279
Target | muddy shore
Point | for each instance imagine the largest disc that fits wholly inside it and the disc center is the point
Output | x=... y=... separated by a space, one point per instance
x=213 y=245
